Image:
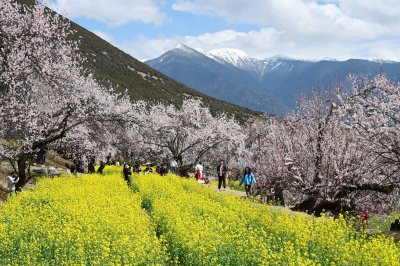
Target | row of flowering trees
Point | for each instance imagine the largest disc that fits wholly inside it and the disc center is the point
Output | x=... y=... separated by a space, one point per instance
x=48 y=100
x=335 y=152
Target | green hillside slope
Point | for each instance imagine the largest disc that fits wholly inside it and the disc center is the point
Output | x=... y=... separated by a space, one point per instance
x=114 y=67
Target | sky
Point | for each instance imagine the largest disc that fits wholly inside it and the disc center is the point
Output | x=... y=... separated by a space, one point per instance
x=303 y=29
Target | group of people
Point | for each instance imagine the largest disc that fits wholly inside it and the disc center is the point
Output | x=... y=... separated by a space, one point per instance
x=78 y=166
x=248 y=178
x=127 y=170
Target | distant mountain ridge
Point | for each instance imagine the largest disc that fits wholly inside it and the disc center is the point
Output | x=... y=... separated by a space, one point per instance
x=270 y=85
x=217 y=79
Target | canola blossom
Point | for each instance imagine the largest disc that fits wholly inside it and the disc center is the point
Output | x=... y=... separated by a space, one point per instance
x=166 y=220
x=84 y=220
x=198 y=226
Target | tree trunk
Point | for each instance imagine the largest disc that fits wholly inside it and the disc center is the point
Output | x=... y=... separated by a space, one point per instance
x=318 y=158
x=21 y=162
x=182 y=169
x=318 y=206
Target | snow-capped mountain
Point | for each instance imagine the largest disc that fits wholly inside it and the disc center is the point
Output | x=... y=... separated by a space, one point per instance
x=271 y=85
x=257 y=66
x=237 y=58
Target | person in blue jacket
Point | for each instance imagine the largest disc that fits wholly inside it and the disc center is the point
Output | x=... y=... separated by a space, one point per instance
x=248 y=179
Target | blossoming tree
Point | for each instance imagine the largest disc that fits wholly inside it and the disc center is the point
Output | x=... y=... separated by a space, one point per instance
x=189 y=133
x=322 y=162
x=44 y=91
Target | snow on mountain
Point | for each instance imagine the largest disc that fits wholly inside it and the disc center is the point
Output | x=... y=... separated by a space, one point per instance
x=237 y=58
x=382 y=61
x=241 y=60
x=186 y=49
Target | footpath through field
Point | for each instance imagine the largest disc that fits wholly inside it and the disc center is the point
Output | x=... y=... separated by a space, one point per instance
x=98 y=220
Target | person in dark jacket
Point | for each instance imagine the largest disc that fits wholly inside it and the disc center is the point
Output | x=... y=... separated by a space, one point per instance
x=108 y=158
x=127 y=173
x=42 y=154
x=163 y=170
x=91 y=164
x=221 y=172
x=136 y=167
x=101 y=167
x=279 y=195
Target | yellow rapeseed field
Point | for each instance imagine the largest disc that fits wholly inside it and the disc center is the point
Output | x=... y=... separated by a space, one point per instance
x=84 y=220
x=198 y=226
x=98 y=220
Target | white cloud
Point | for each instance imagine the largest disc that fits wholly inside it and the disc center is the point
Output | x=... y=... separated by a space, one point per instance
x=308 y=29
x=264 y=43
x=113 y=13
x=384 y=12
x=298 y=18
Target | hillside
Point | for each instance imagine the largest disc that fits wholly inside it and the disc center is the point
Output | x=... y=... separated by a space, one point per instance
x=114 y=67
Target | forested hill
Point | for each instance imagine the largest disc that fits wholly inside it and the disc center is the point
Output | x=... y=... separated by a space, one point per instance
x=112 y=66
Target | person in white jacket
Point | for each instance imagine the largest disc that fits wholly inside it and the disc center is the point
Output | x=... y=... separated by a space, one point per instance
x=12 y=180
x=199 y=172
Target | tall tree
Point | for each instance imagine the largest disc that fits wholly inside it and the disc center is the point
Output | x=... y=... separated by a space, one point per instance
x=322 y=162
x=373 y=112
x=44 y=91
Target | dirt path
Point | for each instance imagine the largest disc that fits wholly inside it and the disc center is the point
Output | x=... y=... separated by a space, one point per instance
x=229 y=191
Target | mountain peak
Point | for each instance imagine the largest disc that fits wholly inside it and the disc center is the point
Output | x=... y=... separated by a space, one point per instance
x=182 y=48
x=232 y=56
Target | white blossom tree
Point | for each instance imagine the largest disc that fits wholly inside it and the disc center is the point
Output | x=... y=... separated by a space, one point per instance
x=321 y=161
x=44 y=92
x=373 y=112
x=188 y=134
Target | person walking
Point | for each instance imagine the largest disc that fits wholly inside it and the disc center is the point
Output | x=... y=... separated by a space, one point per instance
x=199 y=172
x=221 y=172
x=108 y=159
x=101 y=167
x=42 y=153
x=12 y=181
x=127 y=173
x=136 y=167
x=174 y=165
x=248 y=179
x=91 y=168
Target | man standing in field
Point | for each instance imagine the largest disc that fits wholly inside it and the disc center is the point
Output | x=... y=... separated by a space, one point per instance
x=221 y=172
